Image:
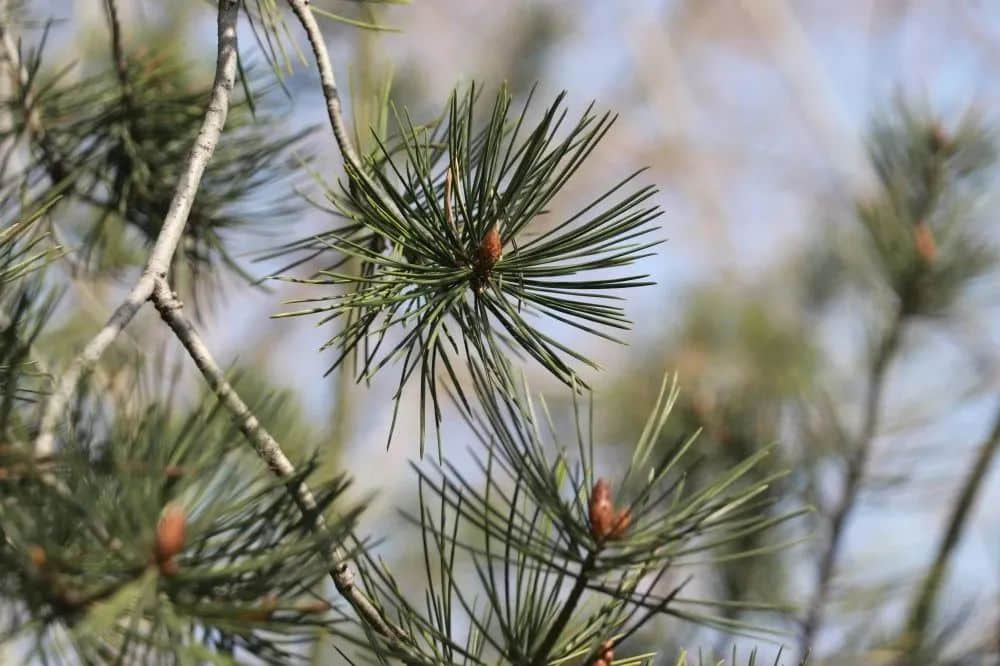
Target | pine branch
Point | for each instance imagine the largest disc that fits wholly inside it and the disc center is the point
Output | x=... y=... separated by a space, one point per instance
x=328 y=82
x=169 y=237
x=857 y=464
x=566 y=614
x=924 y=601
x=269 y=450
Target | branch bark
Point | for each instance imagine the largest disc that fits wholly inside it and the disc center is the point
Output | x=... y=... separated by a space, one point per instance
x=170 y=234
x=328 y=81
x=170 y=309
x=334 y=109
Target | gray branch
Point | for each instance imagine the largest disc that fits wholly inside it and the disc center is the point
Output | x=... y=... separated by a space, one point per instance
x=327 y=80
x=170 y=309
x=170 y=234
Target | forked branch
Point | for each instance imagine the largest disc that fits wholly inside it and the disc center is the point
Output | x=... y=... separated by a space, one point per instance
x=170 y=234
x=170 y=309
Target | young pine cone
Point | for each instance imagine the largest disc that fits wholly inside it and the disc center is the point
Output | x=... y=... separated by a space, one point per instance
x=170 y=537
x=605 y=522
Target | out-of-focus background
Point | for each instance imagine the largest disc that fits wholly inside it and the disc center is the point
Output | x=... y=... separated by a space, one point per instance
x=752 y=117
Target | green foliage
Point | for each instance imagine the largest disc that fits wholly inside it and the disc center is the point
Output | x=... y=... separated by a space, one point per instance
x=80 y=555
x=273 y=36
x=154 y=536
x=548 y=587
x=923 y=237
x=25 y=308
x=116 y=143
x=456 y=251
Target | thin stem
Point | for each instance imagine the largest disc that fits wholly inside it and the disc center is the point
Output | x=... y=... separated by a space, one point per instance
x=857 y=463
x=566 y=613
x=21 y=78
x=117 y=52
x=328 y=81
x=925 y=600
x=170 y=234
x=64 y=390
x=334 y=109
x=269 y=450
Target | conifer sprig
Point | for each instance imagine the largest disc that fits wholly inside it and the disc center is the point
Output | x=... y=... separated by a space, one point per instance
x=547 y=583
x=461 y=255
x=117 y=143
x=152 y=547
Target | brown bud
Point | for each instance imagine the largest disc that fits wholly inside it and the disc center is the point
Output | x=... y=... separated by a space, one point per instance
x=490 y=250
x=602 y=511
x=170 y=536
x=923 y=241
x=605 y=522
x=173 y=472
x=605 y=655
x=939 y=140
x=37 y=556
x=621 y=524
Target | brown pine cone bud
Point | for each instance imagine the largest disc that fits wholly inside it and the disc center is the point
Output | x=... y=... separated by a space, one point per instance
x=602 y=511
x=939 y=140
x=605 y=523
x=923 y=241
x=490 y=250
x=173 y=472
x=37 y=556
x=621 y=524
x=170 y=536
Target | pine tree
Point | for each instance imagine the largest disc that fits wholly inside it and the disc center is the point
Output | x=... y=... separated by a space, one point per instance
x=143 y=524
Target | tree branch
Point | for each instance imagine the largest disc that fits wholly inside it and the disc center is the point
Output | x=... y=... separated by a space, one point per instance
x=566 y=613
x=328 y=81
x=857 y=464
x=330 y=92
x=924 y=601
x=170 y=234
x=269 y=450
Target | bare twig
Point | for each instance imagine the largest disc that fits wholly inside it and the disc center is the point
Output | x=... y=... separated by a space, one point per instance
x=170 y=309
x=328 y=81
x=925 y=599
x=170 y=234
x=334 y=109
x=857 y=463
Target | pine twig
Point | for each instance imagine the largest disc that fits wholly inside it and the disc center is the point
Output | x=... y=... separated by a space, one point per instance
x=328 y=82
x=331 y=94
x=169 y=237
x=117 y=51
x=269 y=450
x=924 y=601
x=566 y=613
x=857 y=464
